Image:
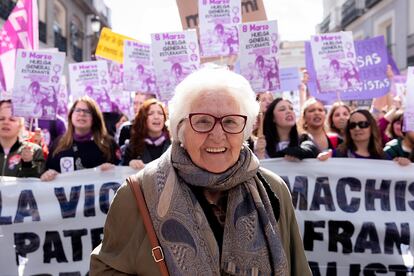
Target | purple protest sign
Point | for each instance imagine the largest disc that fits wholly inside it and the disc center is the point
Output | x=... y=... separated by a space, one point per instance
x=289 y=79
x=218 y=20
x=91 y=78
x=139 y=74
x=259 y=55
x=372 y=65
x=399 y=87
x=62 y=98
x=409 y=102
x=174 y=55
x=391 y=62
x=334 y=61
x=36 y=83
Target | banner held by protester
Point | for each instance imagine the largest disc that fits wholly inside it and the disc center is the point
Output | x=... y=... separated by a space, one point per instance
x=350 y=223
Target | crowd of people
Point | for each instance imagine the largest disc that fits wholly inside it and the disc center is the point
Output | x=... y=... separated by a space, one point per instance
x=207 y=149
x=90 y=138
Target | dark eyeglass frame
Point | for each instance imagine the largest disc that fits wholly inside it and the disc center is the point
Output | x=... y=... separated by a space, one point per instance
x=360 y=124
x=217 y=119
x=82 y=110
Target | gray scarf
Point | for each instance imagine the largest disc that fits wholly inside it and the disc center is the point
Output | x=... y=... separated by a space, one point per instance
x=251 y=239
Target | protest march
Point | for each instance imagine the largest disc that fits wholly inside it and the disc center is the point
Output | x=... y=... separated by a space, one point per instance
x=200 y=151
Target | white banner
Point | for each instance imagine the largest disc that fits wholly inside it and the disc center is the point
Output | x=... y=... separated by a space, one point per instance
x=356 y=217
x=54 y=225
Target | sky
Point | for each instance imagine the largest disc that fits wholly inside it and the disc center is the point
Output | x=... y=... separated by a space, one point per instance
x=297 y=19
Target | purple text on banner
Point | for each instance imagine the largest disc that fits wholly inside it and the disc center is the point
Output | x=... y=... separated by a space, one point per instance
x=372 y=60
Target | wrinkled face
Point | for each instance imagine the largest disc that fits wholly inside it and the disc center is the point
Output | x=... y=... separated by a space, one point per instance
x=138 y=101
x=315 y=115
x=215 y=151
x=359 y=134
x=283 y=115
x=9 y=124
x=265 y=99
x=155 y=120
x=340 y=117
x=82 y=118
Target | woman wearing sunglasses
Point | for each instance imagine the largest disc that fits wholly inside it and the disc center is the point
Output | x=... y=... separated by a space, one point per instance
x=362 y=140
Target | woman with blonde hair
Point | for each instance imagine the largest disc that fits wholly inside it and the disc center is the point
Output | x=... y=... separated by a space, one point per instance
x=313 y=124
x=85 y=144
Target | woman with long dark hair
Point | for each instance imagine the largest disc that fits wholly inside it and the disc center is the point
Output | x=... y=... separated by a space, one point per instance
x=85 y=144
x=149 y=135
x=281 y=135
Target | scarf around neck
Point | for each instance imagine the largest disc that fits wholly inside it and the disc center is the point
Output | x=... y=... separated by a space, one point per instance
x=156 y=141
x=83 y=138
x=251 y=238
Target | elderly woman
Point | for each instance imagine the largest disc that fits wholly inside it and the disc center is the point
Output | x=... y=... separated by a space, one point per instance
x=214 y=210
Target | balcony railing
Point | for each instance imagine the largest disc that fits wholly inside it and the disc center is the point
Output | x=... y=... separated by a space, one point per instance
x=349 y=12
x=6 y=7
x=60 y=42
x=324 y=27
x=77 y=53
x=370 y=3
x=42 y=31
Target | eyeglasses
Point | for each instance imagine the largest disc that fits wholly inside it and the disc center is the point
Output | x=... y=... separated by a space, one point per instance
x=203 y=122
x=84 y=111
x=360 y=124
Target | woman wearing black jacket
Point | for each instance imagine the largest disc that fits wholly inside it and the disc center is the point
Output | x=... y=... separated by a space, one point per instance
x=85 y=144
x=281 y=137
x=149 y=135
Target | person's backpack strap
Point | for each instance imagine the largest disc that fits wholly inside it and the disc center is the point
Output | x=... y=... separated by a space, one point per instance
x=274 y=200
x=156 y=250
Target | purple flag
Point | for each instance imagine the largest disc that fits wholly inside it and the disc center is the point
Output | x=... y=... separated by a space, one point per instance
x=372 y=63
x=20 y=31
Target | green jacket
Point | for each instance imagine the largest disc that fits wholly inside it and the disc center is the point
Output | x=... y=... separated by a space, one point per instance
x=12 y=165
x=125 y=248
x=394 y=149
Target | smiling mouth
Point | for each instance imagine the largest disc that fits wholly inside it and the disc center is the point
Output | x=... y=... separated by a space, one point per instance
x=216 y=150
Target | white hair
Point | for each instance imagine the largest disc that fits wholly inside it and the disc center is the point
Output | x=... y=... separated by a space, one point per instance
x=212 y=79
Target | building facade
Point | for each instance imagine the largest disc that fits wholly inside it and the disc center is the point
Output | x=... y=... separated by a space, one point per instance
x=67 y=25
x=394 y=19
